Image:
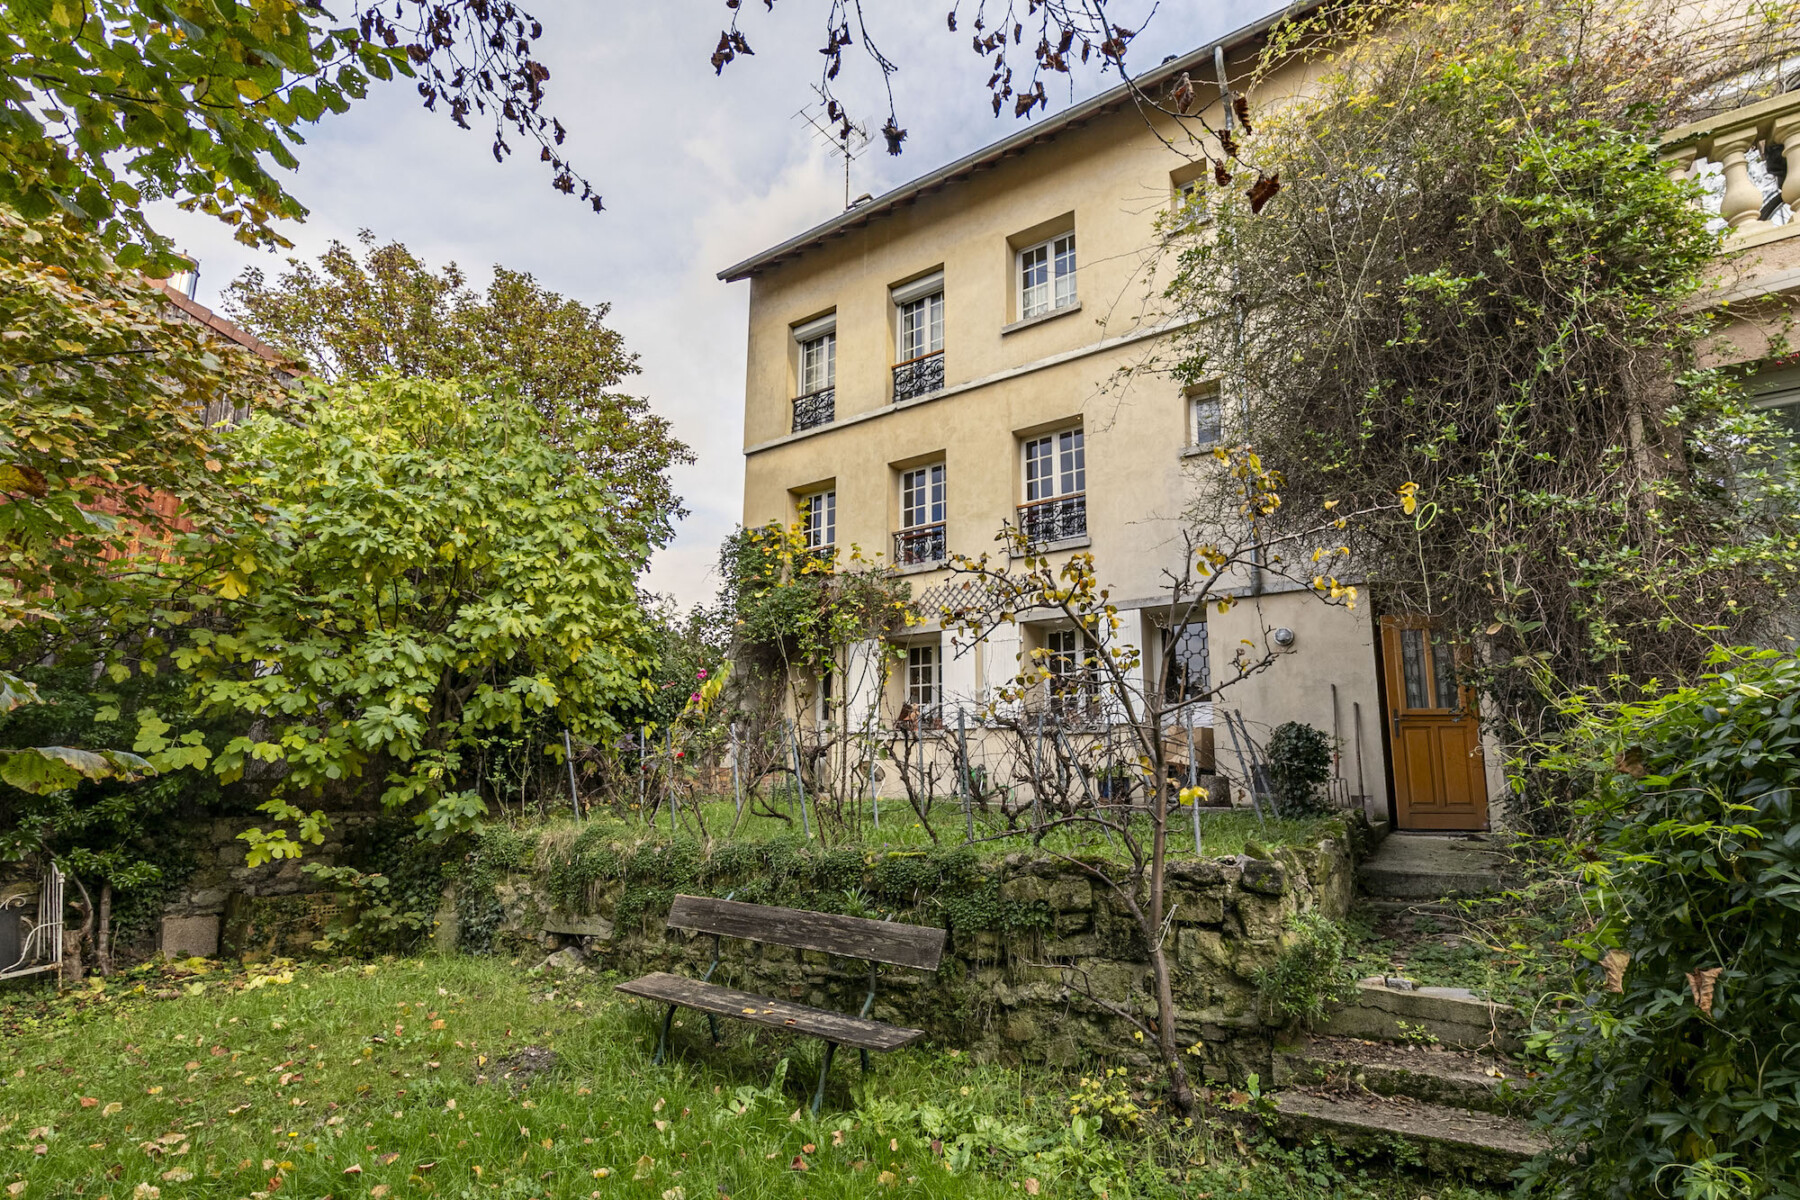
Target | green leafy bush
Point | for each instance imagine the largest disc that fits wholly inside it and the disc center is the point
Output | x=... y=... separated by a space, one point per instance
x=1312 y=972
x=1676 y=1069
x=1299 y=761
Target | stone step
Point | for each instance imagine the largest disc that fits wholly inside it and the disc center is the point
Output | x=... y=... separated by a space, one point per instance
x=1455 y=1078
x=1449 y=1140
x=1414 y=866
x=1390 y=1010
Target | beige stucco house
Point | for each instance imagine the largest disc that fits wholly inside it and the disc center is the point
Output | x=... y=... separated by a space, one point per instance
x=947 y=359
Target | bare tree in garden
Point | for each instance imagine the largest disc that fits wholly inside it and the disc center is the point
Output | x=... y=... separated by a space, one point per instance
x=1228 y=535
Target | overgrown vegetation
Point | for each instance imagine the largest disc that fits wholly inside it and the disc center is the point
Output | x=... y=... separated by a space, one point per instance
x=1676 y=1069
x=1311 y=975
x=1475 y=281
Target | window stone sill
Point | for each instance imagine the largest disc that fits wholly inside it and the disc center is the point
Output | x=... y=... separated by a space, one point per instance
x=921 y=568
x=1074 y=543
x=1204 y=448
x=1028 y=322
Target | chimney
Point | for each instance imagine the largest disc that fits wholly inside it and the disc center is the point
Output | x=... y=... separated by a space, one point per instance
x=187 y=282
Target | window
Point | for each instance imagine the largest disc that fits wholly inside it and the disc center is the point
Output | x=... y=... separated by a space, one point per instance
x=1055 y=466
x=919 y=339
x=824 y=712
x=1063 y=653
x=818 y=363
x=1047 y=276
x=921 y=536
x=922 y=496
x=922 y=327
x=1069 y=695
x=922 y=693
x=1206 y=417
x=1055 y=505
x=1189 y=676
x=818 y=520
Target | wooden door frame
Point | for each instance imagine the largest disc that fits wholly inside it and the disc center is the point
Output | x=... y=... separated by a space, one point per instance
x=1384 y=699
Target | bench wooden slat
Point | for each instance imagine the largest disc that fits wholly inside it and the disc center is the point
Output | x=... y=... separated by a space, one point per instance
x=917 y=946
x=729 y=1002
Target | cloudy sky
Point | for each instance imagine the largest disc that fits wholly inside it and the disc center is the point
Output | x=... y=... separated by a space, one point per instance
x=698 y=172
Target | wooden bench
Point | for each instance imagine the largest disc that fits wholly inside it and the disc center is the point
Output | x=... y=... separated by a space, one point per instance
x=876 y=942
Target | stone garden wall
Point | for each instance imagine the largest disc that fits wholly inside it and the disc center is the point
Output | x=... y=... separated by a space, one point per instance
x=224 y=906
x=1011 y=983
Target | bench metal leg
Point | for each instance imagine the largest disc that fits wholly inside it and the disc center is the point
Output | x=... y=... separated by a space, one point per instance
x=662 y=1042
x=712 y=1023
x=824 y=1071
x=865 y=1060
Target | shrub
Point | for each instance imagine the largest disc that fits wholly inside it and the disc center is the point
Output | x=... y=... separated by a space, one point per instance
x=1677 y=1065
x=1312 y=972
x=1299 y=761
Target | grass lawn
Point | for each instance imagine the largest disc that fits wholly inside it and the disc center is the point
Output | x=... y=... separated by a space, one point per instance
x=417 y=1078
x=1223 y=832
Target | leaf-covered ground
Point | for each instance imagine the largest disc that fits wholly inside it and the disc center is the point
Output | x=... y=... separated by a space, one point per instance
x=468 y=1077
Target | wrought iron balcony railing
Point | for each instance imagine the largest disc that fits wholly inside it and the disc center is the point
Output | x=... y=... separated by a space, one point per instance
x=920 y=544
x=919 y=376
x=1054 y=520
x=815 y=408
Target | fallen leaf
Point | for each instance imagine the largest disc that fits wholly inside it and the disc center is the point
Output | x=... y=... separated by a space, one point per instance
x=388 y=1159
x=1032 y=1187
x=660 y=1125
x=16 y=1189
x=353 y=1169
x=837 y=1137
x=808 y=1148
x=112 y=1109
x=177 y=1175
x=886 y=1179
x=88 y=1102
x=379 y=1190
x=799 y=1164
x=645 y=1167
x=893 y=1143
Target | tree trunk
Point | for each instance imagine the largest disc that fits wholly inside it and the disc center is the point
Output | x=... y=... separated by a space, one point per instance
x=103 y=933
x=1181 y=1092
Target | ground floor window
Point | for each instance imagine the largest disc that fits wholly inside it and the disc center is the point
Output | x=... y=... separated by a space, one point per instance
x=1188 y=677
x=924 y=692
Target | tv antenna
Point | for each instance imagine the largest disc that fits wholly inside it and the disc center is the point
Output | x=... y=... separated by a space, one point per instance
x=843 y=138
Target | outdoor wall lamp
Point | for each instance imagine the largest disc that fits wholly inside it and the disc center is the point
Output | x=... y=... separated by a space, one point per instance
x=1284 y=637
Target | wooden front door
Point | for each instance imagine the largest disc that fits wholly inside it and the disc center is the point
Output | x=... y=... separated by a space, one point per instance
x=1440 y=778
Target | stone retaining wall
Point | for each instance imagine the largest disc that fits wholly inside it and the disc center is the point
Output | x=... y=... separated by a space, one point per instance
x=1015 y=996
x=270 y=909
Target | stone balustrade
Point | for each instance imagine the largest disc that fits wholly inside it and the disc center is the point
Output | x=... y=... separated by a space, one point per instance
x=1740 y=141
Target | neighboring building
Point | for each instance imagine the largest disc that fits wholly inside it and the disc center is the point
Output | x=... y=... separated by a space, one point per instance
x=942 y=360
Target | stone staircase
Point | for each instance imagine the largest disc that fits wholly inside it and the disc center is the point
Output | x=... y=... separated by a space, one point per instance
x=1404 y=1066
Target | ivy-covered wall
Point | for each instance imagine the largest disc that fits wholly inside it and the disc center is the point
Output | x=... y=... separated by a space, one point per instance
x=1028 y=934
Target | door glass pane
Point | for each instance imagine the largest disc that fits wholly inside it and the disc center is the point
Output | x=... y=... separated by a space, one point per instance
x=1443 y=671
x=1412 y=667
